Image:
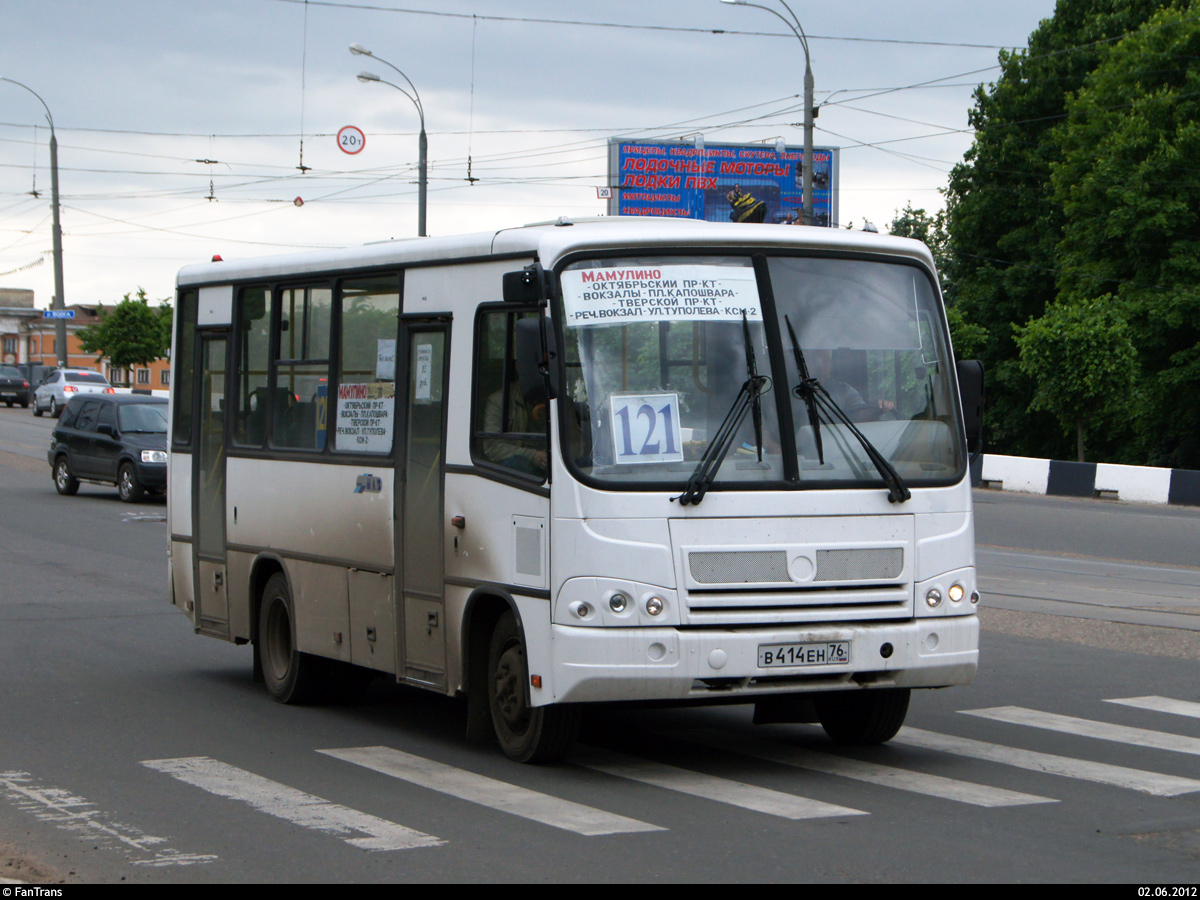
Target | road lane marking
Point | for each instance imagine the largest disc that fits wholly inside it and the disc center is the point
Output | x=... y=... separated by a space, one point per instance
x=1122 y=734
x=1081 y=769
x=489 y=792
x=292 y=805
x=82 y=817
x=872 y=773
x=710 y=787
x=1162 y=704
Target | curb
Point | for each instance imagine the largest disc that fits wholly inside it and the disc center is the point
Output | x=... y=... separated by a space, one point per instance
x=1053 y=477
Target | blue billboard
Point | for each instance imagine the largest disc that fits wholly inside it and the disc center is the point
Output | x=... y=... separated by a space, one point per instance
x=720 y=182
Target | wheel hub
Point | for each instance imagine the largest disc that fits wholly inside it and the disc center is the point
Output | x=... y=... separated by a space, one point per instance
x=509 y=689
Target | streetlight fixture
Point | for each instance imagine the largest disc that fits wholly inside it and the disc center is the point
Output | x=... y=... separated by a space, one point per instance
x=422 y=172
x=798 y=30
x=58 y=301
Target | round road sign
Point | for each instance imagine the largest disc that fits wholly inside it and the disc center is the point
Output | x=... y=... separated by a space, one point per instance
x=351 y=140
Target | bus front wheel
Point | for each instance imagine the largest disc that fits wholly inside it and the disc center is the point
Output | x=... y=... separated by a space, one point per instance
x=863 y=717
x=526 y=733
x=290 y=676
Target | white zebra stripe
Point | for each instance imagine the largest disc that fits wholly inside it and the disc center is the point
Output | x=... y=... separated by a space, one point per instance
x=1122 y=734
x=1084 y=770
x=873 y=773
x=356 y=828
x=1162 y=704
x=499 y=795
x=710 y=787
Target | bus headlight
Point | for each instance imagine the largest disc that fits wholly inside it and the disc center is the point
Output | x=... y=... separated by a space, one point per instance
x=618 y=601
x=933 y=598
x=654 y=606
x=955 y=593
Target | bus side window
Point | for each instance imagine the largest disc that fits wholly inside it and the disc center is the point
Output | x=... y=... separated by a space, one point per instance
x=302 y=368
x=508 y=432
x=365 y=407
x=184 y=361
x=253 y=334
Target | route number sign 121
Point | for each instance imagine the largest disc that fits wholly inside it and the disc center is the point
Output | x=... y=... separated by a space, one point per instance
x=645 y=428
x=351 y=140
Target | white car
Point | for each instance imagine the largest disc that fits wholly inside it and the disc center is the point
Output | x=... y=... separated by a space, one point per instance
x=63 y=384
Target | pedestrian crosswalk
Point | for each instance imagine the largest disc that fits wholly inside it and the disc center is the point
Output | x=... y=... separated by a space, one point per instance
x=790 y=773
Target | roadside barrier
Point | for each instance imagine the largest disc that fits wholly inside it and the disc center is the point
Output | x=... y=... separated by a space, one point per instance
x=1137 y=484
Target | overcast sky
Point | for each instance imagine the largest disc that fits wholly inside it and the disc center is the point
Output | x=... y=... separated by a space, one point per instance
x=180 y=123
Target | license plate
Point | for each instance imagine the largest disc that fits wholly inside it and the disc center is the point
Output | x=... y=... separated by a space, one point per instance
x=818 y=653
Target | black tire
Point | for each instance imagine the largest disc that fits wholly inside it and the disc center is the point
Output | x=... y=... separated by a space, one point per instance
x=128 y=486
x=864 y=716
x=54 y=410
x=64 y=482
x=8 y=403
x=290 y=676
x=526 y=733
x=24 y=404
x=37 y=410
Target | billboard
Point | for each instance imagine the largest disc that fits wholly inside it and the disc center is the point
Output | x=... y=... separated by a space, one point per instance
x=720 y=182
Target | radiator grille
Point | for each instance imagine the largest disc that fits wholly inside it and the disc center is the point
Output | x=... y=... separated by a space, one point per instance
x=859 y=565
x=739 y=567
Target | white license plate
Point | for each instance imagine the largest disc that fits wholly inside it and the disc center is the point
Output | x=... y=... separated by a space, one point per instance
x=817 y=653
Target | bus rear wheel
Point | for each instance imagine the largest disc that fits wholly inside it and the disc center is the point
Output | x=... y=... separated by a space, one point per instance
x=863 y=717
x=526 y=733
x=290 y=676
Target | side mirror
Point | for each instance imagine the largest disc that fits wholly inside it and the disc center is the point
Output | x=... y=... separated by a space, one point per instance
x=537 y=359
x=970 y=388
x=107 y=429
x=524 y=287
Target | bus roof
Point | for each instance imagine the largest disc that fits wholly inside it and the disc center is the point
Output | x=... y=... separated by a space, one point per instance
x=549 y=241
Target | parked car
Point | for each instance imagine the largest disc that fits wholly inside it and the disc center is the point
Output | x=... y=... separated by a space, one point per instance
x=116 y=439
x=14 y=387
x=58 y=387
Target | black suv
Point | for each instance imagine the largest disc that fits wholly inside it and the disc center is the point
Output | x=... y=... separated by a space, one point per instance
x=116 y=439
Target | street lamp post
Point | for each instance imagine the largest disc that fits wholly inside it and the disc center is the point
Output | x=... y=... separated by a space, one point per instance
x=422 y=167
x=58 y=301
x=798 y=31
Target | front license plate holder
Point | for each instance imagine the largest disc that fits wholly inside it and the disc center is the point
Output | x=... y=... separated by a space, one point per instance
x=809 y=653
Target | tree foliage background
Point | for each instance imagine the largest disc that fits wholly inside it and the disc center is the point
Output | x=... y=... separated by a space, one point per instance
x=133 y=333
x=1081 y=190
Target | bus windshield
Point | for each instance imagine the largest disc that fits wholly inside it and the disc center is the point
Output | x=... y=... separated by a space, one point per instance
x=657 y=351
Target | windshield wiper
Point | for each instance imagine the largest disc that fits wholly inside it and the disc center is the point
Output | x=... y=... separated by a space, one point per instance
x=749 y=397
x=818 y=400
x=806 y=390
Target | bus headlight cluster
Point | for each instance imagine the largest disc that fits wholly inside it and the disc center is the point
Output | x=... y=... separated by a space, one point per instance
x=956 y=593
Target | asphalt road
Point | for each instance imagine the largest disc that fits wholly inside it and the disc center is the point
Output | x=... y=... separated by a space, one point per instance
x=134 y=750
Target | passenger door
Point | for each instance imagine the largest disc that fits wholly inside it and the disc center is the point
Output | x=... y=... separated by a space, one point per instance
x=420 y=476
x=212 y=608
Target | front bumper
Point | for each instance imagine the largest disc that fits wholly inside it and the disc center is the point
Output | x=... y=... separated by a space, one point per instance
x=152 y=475
x=615 y=664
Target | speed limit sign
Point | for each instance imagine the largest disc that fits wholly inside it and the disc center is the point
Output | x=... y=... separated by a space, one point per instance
x=351 y=140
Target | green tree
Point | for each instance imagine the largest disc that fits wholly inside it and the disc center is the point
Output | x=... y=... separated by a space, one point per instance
x=1004 y=222
x=932 y=232
x=1084 y=365
x=1128 y=183
x=132 y=334
x=969 y=339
